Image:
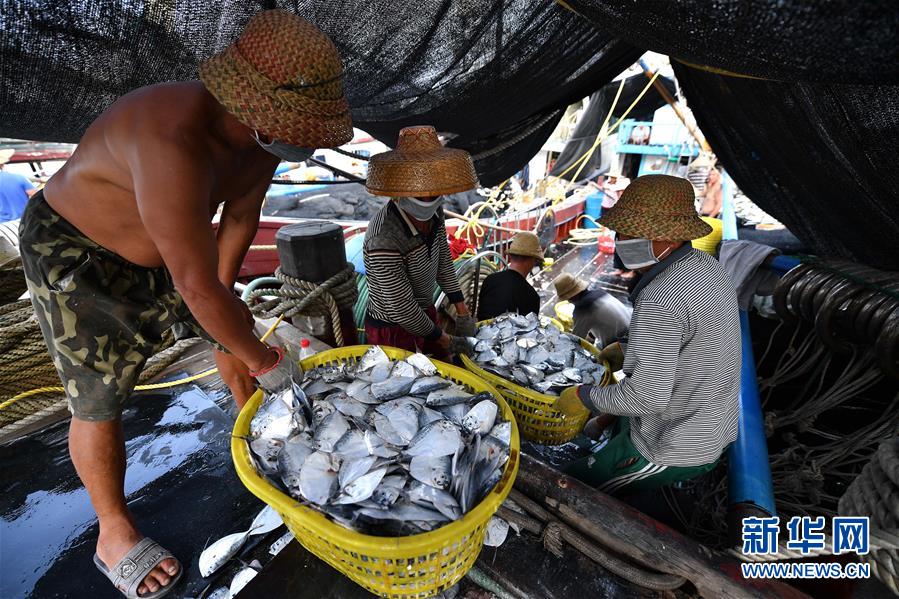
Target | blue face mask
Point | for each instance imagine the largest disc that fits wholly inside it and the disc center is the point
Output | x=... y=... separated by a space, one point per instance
x=420 y=210
x=285 y=152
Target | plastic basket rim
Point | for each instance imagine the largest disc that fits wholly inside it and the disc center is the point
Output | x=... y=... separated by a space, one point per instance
x=360 y=543
x=495 y=379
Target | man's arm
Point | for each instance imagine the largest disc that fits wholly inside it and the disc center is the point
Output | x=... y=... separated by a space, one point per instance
x=172 y=185
x=237 y=228
x=653 y=349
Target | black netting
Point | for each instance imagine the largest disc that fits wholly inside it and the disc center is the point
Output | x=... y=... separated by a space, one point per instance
x=850 y=41
x=494 y=76
x=820 y=158
x=584 y=135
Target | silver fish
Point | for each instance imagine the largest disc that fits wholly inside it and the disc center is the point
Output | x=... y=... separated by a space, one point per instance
x=446 y=397
x=318 y=387
x=431 y=470
x=486 y=355
x=572 y=374
x=321 y=410
x=439 y=438
x=214 y=557
x=265 y=521
x=220 y=593
x=526 y=342
x=348 y=406
x=427 y=416
x=422 y=364
x=404 y=511
x=403 y=416
x=401 y=369
x=442 y=501
x=480 y=418
x=378 y=374
x=361 y=488
x=350 y=470
x=274 y=419
x=290 y=462
x=267 y=450
x=389 y=490
x=481 y=345
x=242 y=578
x=454 y=413
x=377 y=446
x=352 y=445
x=318 y=478
x=502 y=431
x=392 y=388
x=328 y=433
x=423 y=386
x=385 y=429
x=372 y=357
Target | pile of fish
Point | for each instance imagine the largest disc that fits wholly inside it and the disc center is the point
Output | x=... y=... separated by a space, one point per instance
x=543 y=358
x=382 y=447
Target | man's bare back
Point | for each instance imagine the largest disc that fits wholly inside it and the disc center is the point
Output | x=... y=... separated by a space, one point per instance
x=95 y=190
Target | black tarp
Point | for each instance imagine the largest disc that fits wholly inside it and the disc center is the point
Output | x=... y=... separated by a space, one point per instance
x=584 y=135
x=850 y=41
x=494 y=76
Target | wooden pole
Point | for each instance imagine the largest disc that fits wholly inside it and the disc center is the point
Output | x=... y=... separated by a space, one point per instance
x=631 y=533
x=666 y=95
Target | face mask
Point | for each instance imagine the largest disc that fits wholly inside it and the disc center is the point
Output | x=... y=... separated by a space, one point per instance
x=285 y=152
x=419 y=210
x=637 y=253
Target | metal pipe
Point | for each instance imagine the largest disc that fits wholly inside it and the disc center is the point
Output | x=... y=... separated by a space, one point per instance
x=252 y=285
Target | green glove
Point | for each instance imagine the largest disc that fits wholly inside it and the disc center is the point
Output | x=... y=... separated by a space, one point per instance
x=570 y=404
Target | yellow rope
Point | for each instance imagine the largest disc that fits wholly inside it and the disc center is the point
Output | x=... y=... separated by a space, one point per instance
x=147 y=387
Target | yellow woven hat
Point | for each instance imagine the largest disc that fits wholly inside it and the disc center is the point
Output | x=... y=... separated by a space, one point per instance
x=420 y=167
x=568 y=286
x=658 y=207
x=526 y=244
x=282 y=77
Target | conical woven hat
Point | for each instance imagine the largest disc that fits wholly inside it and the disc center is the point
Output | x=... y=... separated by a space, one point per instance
x=567 y=286
x=282 y=77
x=656 y=207
x=420 y=167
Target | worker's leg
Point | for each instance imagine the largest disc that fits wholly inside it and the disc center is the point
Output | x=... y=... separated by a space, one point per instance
x=98 y=453
x=101 y=319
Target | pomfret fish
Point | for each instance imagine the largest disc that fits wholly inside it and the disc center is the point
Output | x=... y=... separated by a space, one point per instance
x=350 y=470
x=328 y=433
x=404 y=511
x=267 y=450
x=448 y=396
x=318 y=478
x=423 y=364
x=480 y=418
x=392 y=388
x=431 y=470
x=214 y=557
x=361 y=488
x=242 y=578
x=403 y=369
x=265 y=521
x=439 y=499
x=348 y=406
x=439 y=438
x=321 y=410
x=423 y=386
x=502 y=431
x=372 y=357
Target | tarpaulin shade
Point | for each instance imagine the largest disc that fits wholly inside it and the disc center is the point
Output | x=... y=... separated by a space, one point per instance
x=849 y=41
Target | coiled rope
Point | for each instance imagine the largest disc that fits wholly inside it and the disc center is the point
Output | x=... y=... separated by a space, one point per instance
x=298 y=297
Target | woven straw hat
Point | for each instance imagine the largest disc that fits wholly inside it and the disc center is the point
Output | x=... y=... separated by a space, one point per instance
x=420 y=167
x=568 y=286
x=526 y=244
x=658 y=207
x=282 y=77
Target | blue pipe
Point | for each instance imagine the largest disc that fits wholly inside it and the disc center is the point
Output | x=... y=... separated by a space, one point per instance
x=784 y=264
x=749 y=473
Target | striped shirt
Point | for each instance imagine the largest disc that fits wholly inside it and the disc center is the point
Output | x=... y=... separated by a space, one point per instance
x=403 y=266
x=682 y=362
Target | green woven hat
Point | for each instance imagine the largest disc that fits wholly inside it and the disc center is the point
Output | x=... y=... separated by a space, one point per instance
x=656 y=207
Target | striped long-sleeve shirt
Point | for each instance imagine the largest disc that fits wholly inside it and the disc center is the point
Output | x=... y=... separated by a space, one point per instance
x=402 y=267
x=682 y=362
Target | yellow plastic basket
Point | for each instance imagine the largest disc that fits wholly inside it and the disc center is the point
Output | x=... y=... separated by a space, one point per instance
x=536 y=419
x=416 y=566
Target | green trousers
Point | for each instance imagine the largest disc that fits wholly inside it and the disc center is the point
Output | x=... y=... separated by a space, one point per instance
x=617 y=467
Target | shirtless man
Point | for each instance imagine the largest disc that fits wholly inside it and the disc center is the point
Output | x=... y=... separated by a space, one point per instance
x=118 y=247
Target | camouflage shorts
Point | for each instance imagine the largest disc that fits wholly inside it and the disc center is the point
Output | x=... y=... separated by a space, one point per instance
x=101 y=316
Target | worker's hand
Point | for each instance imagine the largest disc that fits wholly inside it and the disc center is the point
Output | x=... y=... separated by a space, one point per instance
x=280 y=374
x=460 y=345
x=466 y=326
x=613 y=354
x=570 y=404
x=236 y=375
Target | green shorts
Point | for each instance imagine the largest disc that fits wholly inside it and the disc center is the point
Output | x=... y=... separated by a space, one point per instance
x=618 y=468
x=102 y=317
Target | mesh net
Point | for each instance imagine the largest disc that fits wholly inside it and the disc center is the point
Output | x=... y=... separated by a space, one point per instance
x=494 y=77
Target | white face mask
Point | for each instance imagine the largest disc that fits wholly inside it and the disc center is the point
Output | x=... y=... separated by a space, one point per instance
x=637 y=253
x=420 y=210
x=285 y=152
